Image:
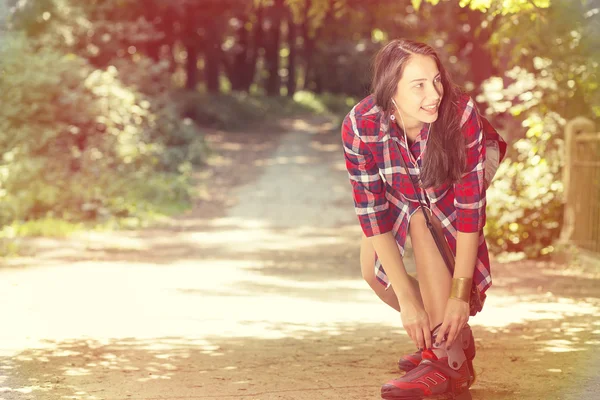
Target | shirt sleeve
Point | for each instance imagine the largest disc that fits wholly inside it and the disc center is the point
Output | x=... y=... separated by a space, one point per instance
x=492 y=161
x=370 y=203
x=492 y=135
x=469 y=192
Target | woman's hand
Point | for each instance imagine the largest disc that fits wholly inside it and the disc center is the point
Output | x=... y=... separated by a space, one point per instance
x=416 y=322
x=456 y=317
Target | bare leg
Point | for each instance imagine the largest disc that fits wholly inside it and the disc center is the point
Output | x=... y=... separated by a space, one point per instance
x=367 y=266
x=434 y=278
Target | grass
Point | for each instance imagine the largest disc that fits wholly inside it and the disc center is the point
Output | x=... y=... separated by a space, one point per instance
x=234 y=111
x=146 y=203
x=45 y=227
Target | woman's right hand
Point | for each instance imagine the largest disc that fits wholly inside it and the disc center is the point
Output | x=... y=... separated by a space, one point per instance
x=416 y=322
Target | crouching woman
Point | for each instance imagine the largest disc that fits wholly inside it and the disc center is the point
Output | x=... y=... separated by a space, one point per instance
x=418 y=152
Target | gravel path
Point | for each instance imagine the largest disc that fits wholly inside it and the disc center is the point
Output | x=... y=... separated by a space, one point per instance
x=256 y=293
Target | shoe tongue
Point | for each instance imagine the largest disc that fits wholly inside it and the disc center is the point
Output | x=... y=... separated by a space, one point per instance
x=439 y=351
x=434 y=334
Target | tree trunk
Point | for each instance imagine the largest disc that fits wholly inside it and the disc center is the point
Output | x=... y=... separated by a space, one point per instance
x=272 y=50
x=240 y=58
x=168 y=28
x=482 y=66
x=152 y=47
x=191 y=66
x=212 y=58
x=257 y=44
x=191 y=42
x=291 y=78
x=318 y=81
x=243 y=68
x=307 y=45
x=310 y=42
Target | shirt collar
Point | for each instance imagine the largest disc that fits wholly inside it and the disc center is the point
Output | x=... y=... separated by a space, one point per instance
x=384 y=129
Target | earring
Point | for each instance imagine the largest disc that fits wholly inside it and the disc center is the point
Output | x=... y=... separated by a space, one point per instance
x=393 y=117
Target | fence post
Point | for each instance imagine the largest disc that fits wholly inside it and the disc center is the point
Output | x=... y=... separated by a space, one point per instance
x=574 y=127
x=3 y=22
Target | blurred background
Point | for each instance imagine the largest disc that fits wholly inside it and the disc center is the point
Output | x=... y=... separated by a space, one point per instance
x=174 y=208
x=120 y=92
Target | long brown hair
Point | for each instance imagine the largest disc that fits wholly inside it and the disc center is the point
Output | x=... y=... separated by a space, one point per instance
x=444 y=160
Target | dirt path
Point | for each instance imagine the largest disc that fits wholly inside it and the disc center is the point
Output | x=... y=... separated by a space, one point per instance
x=262 y=299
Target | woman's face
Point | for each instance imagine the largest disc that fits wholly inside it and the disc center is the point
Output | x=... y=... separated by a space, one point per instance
x=419 y=91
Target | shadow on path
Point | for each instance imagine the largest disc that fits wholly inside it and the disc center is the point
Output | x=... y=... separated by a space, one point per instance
x=327 y=361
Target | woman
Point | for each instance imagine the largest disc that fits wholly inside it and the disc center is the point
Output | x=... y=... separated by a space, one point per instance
x=417 y=113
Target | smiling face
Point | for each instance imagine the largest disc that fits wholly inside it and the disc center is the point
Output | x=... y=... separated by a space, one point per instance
x=419 y=92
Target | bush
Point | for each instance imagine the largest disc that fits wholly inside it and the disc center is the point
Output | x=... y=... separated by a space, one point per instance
x=525 y=200
x=76 y=140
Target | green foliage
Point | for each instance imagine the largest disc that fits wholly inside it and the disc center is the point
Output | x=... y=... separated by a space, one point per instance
x=11 y=234
x=91 y=126
x=496 y=6
x=43 y=227
x=235 y=111
x=525 y=201
x=316 y=13
x=542 y=90
x=325 y=102
x=76 y=140
x=561 y=61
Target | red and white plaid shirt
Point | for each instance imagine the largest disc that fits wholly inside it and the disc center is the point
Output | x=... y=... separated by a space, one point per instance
x=384 y=196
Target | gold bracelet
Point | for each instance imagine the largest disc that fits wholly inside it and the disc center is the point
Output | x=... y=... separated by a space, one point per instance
x=461 y=289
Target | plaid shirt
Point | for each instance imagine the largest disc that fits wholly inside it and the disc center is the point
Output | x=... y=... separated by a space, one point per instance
x=384 y=196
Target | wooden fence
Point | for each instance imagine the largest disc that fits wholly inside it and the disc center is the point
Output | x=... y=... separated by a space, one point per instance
x=582 y=185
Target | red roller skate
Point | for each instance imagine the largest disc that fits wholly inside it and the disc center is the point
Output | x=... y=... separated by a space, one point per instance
x=440 y=371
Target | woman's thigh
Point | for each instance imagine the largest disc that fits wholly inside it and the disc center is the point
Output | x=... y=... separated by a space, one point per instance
x=434 y=278
x=427 y=255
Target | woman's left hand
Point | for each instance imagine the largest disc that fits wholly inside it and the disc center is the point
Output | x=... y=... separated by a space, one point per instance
x=455 y=318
